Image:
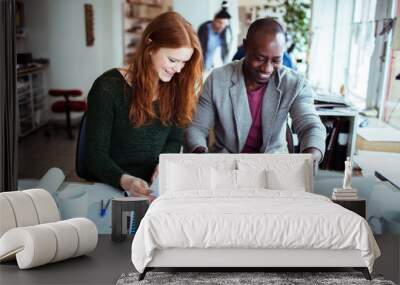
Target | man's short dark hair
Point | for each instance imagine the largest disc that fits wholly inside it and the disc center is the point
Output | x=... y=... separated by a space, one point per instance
x=268 y=25
x=223 y=13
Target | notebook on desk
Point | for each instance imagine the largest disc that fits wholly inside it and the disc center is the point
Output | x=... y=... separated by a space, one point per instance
x=329 y=101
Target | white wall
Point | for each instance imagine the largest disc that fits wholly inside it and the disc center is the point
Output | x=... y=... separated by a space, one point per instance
x=56 y=30
x=117 y=32
x=196 y=12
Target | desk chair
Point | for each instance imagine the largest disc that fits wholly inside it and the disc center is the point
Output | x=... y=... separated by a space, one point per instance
x=67 y=105
x=80 y=166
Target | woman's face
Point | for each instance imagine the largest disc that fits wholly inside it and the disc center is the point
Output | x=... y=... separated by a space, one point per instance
x=168 y=61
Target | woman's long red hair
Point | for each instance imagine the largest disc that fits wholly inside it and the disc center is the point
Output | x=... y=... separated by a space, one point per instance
x=177 y=98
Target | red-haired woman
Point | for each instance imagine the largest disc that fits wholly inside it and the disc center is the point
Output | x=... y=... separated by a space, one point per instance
x=138 y=112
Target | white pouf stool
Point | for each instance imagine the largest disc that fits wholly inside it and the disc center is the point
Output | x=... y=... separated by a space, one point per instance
x=31 y=231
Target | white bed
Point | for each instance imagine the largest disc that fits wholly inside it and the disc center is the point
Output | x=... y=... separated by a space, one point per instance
x=226 y=211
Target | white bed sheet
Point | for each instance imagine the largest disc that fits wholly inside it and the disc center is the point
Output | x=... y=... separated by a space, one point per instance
x=250 y=218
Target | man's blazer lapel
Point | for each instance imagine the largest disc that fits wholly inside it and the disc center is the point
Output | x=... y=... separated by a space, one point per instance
x=241 y=109
x=270 y=107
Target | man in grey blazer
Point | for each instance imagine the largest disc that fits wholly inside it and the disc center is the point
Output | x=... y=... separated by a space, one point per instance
x=247 y=102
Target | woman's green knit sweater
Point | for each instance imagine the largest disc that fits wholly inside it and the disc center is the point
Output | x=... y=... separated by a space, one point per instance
x=112 y=145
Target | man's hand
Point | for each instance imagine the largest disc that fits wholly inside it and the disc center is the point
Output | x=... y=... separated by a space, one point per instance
x=135 y=186
x=200 y=149
x=316 y=154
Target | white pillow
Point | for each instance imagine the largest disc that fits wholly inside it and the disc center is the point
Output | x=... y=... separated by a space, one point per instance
x=183 y=177
x=251 y=178
x=223 y=179
x=283 y=172
x=226 y=179
x=280 y=180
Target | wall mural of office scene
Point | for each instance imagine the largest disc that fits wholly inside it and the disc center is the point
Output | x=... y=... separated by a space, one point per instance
x=242 y=134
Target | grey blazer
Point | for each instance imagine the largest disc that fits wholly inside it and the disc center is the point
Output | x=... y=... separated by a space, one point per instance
x=223 y=105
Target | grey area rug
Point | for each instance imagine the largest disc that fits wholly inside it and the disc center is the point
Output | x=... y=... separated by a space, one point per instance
x=232 y=278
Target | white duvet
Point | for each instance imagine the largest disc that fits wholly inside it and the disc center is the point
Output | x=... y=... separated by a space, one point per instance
x=251 y=218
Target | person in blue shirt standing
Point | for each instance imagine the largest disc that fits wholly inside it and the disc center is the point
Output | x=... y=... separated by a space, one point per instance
x=215 y=35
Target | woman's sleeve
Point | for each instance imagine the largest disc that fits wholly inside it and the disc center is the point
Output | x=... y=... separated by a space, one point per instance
x=174 y=140
x=99 y=123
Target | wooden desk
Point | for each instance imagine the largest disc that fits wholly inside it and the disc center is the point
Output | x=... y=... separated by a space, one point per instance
x=363 y=144
x=386 y=164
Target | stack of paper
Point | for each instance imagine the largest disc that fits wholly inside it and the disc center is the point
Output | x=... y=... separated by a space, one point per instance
x=344 y=194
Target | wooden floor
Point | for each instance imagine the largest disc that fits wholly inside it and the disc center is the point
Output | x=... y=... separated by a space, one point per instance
x=104 y=265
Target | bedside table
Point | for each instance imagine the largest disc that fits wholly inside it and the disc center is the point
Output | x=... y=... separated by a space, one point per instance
x=357 y=206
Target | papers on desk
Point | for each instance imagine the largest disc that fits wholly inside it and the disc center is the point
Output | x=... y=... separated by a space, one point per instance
x=386 y=134
x=328 y=100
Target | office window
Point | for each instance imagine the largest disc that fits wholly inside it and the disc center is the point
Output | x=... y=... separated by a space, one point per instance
x=342 y=43
x=362 y=43
x=392 y=101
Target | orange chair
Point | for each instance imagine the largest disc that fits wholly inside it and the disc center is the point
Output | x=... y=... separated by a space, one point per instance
x=67 y=106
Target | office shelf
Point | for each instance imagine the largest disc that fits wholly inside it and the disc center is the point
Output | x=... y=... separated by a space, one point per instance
x=137 y=15
x=31 y=96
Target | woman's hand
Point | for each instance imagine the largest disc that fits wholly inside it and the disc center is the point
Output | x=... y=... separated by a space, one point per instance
x=137 y=187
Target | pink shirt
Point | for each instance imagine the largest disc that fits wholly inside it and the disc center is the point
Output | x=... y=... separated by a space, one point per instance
x=255 y=139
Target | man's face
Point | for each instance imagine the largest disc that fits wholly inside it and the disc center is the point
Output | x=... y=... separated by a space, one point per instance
x=263 y=55
x=219 y=24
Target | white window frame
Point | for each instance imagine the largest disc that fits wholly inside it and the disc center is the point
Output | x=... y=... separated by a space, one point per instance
x=377 y=85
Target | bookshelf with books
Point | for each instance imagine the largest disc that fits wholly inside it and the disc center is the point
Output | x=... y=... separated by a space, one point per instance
x=136 y=16
x=341 y=128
